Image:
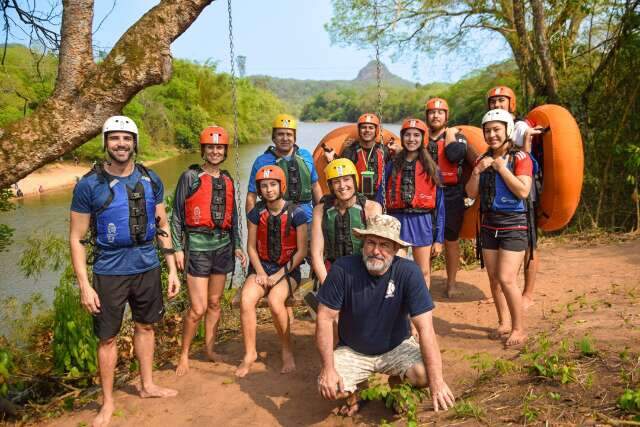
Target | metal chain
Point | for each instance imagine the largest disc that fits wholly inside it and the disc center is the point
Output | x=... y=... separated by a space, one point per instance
x=236 y=142
x=379 y=107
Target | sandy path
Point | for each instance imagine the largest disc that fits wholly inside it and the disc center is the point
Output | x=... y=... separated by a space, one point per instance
x=210 y=395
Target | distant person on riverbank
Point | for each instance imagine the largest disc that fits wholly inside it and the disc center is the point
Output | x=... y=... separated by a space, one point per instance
x=502 y=179
x=367 y=153
x=414 y=196
x=206 y=237
x=448 y=148
x=376 y=295
x=277 y=245
x=504 y=98
x=121 y=203
x=297 y=163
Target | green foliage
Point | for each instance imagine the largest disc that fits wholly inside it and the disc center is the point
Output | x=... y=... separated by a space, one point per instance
x=529 y=412
x=481 y=363
x=466 y=408
x=404 y=398
x=6 y=232
x=550 y=365
x=6 y=369
x=630 y=401
x=586 y=346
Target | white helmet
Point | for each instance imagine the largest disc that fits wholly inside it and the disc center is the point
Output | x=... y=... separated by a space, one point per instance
x=499 y=115
x=119 y=124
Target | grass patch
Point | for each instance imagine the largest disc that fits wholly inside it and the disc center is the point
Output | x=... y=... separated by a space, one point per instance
x=467 y=408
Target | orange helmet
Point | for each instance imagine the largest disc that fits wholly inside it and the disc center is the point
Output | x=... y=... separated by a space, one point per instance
x=215 y=135
x=413 y=123
x=503 y=91
x=437 y=104
x=369 y=118
x=272 y=172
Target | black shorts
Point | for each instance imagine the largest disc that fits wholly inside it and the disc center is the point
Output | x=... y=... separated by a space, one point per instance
x=143 y=292
x=271 y=268
x=509 y=240
x=453 y=212
x=206 y=263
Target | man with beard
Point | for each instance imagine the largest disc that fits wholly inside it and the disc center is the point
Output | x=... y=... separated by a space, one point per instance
x=121 y=203
x=448 y=148
x=367 y=153
x=375 y=294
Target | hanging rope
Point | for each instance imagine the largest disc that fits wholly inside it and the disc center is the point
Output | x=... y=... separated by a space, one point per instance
x=379 y=106
x=234 y=106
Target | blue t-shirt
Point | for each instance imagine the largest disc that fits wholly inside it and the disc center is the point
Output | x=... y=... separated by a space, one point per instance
x=268 y=158
x=89 y=195
x=299 y=218
x=374 y=311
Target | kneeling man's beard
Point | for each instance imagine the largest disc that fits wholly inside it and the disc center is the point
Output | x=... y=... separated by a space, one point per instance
x=376 y=264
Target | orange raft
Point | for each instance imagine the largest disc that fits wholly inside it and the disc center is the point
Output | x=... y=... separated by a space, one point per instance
x=476 y=146
x=335 y=139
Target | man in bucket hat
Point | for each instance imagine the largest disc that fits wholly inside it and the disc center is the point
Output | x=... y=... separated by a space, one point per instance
x=376 y=294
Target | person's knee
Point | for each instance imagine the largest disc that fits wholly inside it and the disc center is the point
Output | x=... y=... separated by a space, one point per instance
x=143 y=328
x=506 y=279
x=276 y=302
x=214 y=303
x=196 y=311
x=417 y=375
x=108 y=342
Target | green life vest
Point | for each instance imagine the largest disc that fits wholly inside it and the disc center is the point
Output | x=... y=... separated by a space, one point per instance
x=298 y=176
x=338 y=238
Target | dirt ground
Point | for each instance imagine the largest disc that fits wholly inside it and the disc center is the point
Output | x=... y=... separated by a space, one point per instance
x=585 y=287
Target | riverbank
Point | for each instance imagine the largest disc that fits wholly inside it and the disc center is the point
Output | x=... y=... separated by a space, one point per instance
x=59 y=176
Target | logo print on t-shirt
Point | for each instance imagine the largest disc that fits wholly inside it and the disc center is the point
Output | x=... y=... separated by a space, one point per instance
x=391 y=290
x=111 y=232
x=196 y=215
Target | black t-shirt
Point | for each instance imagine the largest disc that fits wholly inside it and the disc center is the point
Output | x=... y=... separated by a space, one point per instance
x=374 y=311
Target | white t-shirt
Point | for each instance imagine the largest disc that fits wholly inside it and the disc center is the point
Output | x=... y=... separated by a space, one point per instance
x=519 y=132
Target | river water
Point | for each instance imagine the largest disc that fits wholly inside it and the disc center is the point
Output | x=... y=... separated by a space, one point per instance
x=35 y=216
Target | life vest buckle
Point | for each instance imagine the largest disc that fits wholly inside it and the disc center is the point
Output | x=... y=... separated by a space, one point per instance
x=218 y=185
x=217 y=215
x=218 y=200
x=135 y=195
x=137 y=229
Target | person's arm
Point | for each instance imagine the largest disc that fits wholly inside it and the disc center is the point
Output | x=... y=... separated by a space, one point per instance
x=330 y=384
x=317 y=244
x=317 y=192
x=441 y=394
x=250 y=201
x=472 y=187
x=520 y=184
x=455 y=145
x=78 y=228
x=165 y=243
x=177 y=219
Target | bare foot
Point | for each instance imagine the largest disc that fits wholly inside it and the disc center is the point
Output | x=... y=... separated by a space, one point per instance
x=487 y=301
x=452 y=291
x=500 y=333
x=527 y=302
x=214 y=357
x=183 y=365
x=157 y=391
x=516 y=337
x=104 y=416
x=351 y=406
x=245 y=366
x=288 y=362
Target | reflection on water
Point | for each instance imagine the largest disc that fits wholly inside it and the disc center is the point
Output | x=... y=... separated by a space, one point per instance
x=50 y=211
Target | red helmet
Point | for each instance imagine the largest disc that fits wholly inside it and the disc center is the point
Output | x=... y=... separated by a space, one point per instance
x=271 y=172
x=503 y=91
x=215 y=135
x=369 y=118
x=413 y=123
x=437 y=104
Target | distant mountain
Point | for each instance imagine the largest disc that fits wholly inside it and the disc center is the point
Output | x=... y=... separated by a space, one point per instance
x=296 y=93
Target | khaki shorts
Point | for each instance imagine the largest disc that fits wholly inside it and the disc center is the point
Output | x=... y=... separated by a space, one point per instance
x=355 y=368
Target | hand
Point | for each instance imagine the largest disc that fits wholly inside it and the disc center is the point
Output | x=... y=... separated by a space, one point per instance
x=262 y=279
x=436 y=249
x=330 y=384
x=450 y=133
x=442 y=396
x=89 y=299
x=330 y=155
x=393 y=146
x=499 y=163
x=534 y=131
x=180 y=260
x=484 y=164
x=273 y=279
x=173 y=287
x=242 y=257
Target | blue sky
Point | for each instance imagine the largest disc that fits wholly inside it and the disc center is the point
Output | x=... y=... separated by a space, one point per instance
x=282 y=38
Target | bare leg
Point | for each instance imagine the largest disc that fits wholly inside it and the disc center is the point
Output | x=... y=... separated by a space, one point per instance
x=251 y=294
x=277 y=297
x=530 y=281
x=214 y=311
x=508 y=265
x=197 y=287
x=491 y=265
x=107 y=359
x=422 y=257
x=452 y=258
x=143 y=342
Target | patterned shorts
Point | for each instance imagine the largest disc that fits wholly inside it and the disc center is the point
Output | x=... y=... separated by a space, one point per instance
x=355 y=368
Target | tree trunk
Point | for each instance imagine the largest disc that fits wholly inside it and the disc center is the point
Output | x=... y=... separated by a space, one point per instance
x=542 y=46
x=86 y=94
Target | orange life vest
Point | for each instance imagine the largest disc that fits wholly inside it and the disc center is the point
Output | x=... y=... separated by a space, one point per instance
x=410 y=189
x=210 y=205
x=450 y=172
x=276 y=237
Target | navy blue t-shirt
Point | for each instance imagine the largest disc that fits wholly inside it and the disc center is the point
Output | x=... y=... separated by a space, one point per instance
x=374 y=311
x=88 y=196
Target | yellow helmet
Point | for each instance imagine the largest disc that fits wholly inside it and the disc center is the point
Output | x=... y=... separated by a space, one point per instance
x=285 y=121
x=341 y=167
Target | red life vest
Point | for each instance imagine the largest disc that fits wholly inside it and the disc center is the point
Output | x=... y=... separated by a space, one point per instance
x=364 y=162
x=450 y=172
x=210 y=205
x=276 y=237
x=411 y=190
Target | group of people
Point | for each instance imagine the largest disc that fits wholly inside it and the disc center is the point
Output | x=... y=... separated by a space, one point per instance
x=374 y=309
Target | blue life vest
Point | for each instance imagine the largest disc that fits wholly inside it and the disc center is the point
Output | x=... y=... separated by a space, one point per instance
x=495 y=195
x=127 y=218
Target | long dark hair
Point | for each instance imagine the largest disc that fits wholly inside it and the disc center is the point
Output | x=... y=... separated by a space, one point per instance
x=424 y=158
